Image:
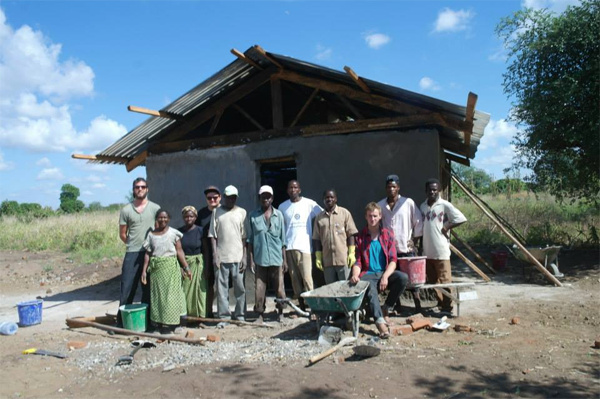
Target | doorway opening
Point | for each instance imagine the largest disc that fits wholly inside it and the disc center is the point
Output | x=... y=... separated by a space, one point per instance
x=277 y=173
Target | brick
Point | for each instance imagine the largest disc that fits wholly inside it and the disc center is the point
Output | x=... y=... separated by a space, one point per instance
x=189 y=334
x=462 y=328
x=76 y=345
x=414 y=317
x=213 y=338
x=515 y=320
x=420 y=324
x=401 y=330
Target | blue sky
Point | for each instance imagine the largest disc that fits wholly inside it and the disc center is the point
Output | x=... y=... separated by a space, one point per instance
x=68 y=70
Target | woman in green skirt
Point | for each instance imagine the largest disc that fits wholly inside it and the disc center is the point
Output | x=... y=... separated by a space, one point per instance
x=191 y=242
x=163 y=260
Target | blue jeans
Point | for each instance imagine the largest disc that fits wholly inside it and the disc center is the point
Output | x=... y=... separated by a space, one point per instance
x=397 y=283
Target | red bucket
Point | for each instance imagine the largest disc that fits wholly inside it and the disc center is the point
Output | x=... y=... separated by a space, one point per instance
x=415 y=268
x=499 y=259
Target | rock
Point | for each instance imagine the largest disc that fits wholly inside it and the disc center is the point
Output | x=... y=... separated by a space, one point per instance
x=515 y=320
x=597 y=343
x=72 y=345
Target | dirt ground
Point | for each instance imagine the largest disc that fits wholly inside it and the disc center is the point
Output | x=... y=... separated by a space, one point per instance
x=549 y=353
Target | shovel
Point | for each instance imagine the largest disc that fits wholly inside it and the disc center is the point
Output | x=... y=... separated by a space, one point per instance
x=128 y=359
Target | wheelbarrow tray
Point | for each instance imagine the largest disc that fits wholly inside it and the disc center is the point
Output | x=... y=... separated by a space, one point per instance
x=543 y=255
x=323 y=299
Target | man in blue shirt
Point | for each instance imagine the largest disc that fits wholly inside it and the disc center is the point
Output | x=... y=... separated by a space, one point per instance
x=266 y=250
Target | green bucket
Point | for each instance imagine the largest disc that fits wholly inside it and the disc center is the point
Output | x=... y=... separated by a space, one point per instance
x=134 y=316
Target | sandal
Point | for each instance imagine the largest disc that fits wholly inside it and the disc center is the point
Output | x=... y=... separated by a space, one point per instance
x=384 y=331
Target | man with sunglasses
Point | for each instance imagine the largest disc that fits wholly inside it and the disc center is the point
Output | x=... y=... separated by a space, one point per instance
x=135 y=222
x=213 y=201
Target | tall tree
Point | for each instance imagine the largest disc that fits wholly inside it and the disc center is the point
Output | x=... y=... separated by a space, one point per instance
x=553 y=76
x=68 y=199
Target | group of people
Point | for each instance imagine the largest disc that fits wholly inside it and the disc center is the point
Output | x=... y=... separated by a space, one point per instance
x=178 y=268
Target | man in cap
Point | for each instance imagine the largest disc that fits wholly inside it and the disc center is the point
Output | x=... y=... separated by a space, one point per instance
x=228 y=235
x=265 y=229
x=333 y=239
x=213 y=201
x=299 y=213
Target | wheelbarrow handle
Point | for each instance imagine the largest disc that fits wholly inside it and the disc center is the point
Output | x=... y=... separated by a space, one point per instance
x=343 y=305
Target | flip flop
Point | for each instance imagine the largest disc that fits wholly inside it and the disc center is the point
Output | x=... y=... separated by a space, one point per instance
x=384 y=331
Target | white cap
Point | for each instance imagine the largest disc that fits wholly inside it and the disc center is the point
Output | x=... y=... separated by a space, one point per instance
x=265 y=189
x=230 y=190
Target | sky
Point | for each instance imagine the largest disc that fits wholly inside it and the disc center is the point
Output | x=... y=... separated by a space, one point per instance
x=68 y=70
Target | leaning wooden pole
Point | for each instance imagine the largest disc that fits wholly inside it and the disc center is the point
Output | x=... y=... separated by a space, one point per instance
x=535 y=262
x=469 y=263
x=472 y=251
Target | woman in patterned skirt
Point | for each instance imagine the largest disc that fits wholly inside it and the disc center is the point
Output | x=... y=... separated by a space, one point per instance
x=162 y=260
x=191 y=242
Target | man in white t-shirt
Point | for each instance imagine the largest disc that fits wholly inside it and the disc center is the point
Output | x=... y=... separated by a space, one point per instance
x=439 y=217
x=299 y=213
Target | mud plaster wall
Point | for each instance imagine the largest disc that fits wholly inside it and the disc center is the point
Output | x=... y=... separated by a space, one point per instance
x=355 y=165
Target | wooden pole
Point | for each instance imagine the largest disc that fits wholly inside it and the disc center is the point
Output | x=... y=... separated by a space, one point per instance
x=475 y=254
x=469 y=263
x=79 y=323
x=531 y=258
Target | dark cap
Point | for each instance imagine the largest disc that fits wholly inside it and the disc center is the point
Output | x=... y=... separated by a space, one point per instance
x=392 y=178
x=212 y=188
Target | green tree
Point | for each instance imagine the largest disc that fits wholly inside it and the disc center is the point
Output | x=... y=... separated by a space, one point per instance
x=9 y=208
x=68 y=199
x=477 y=179
x=553 y=76
x=95 y=206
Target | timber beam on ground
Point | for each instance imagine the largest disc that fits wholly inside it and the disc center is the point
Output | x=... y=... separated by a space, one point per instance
x=210 y=111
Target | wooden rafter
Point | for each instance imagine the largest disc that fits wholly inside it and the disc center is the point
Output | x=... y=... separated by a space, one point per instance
x=357 y=79
x=276 y=103
x=215 y=122
x=247 y=60
x=457 y=159
x=351 y=107
x=469 y=263
x=100 y=158
x=304 y=107
x=137 y=161
x=247 y=115
x=473 y=252
x=367 y=125
x=210 y=111
x=470 y=117
x=262 y=52
x=146 y=111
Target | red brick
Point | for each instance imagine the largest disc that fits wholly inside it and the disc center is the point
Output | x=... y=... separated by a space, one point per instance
x=414 y=317
x=420 y=324
x=213 y=338
x=189 y=334
x=401 y=330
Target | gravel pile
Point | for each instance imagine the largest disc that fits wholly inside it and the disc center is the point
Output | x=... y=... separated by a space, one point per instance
x=100 y=358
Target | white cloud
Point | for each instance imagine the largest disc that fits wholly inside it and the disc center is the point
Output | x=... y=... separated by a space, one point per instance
x=99 y=185
x=553 y=5
x=50 y=174
x=87 y=193
x=44 y=162
x=96 y=178
x=453 y=21
x=427 y=83
x=376 y=40
x=35 y=114
x=323 y=53
x=497 y=131
x=500 y=55
x=5 y=165
x=503 y=157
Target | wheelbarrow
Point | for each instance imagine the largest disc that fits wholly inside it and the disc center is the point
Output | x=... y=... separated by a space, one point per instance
x=339 y=297
x=547 y=256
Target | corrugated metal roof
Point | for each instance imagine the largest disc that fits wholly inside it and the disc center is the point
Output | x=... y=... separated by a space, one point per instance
x=138 y=139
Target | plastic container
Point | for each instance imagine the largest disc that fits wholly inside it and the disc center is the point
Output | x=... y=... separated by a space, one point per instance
x=415 y=268
x=134 y=316
x=499 y=259
x=8 y=328
x=30 y=312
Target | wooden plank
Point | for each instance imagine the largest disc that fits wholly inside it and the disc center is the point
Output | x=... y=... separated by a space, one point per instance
x=304 y=107
x=137 y=161
x=146 y=111
x=276 y=103
x=361 y=83
x=215 y=122
x=351 y=107
x=369 y=125
x=472 y=251
x=469 y=263
x=460 y=160
x=247 y=60
x=205 y=114
x=101 y=158
x=247 y=115
x=470 y=116
x=262 y=52
x=532 y=259
x=351 y=93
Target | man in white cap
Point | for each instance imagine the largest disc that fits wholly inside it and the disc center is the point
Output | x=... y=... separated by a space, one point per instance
x=265 y=228
x=228 y=235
